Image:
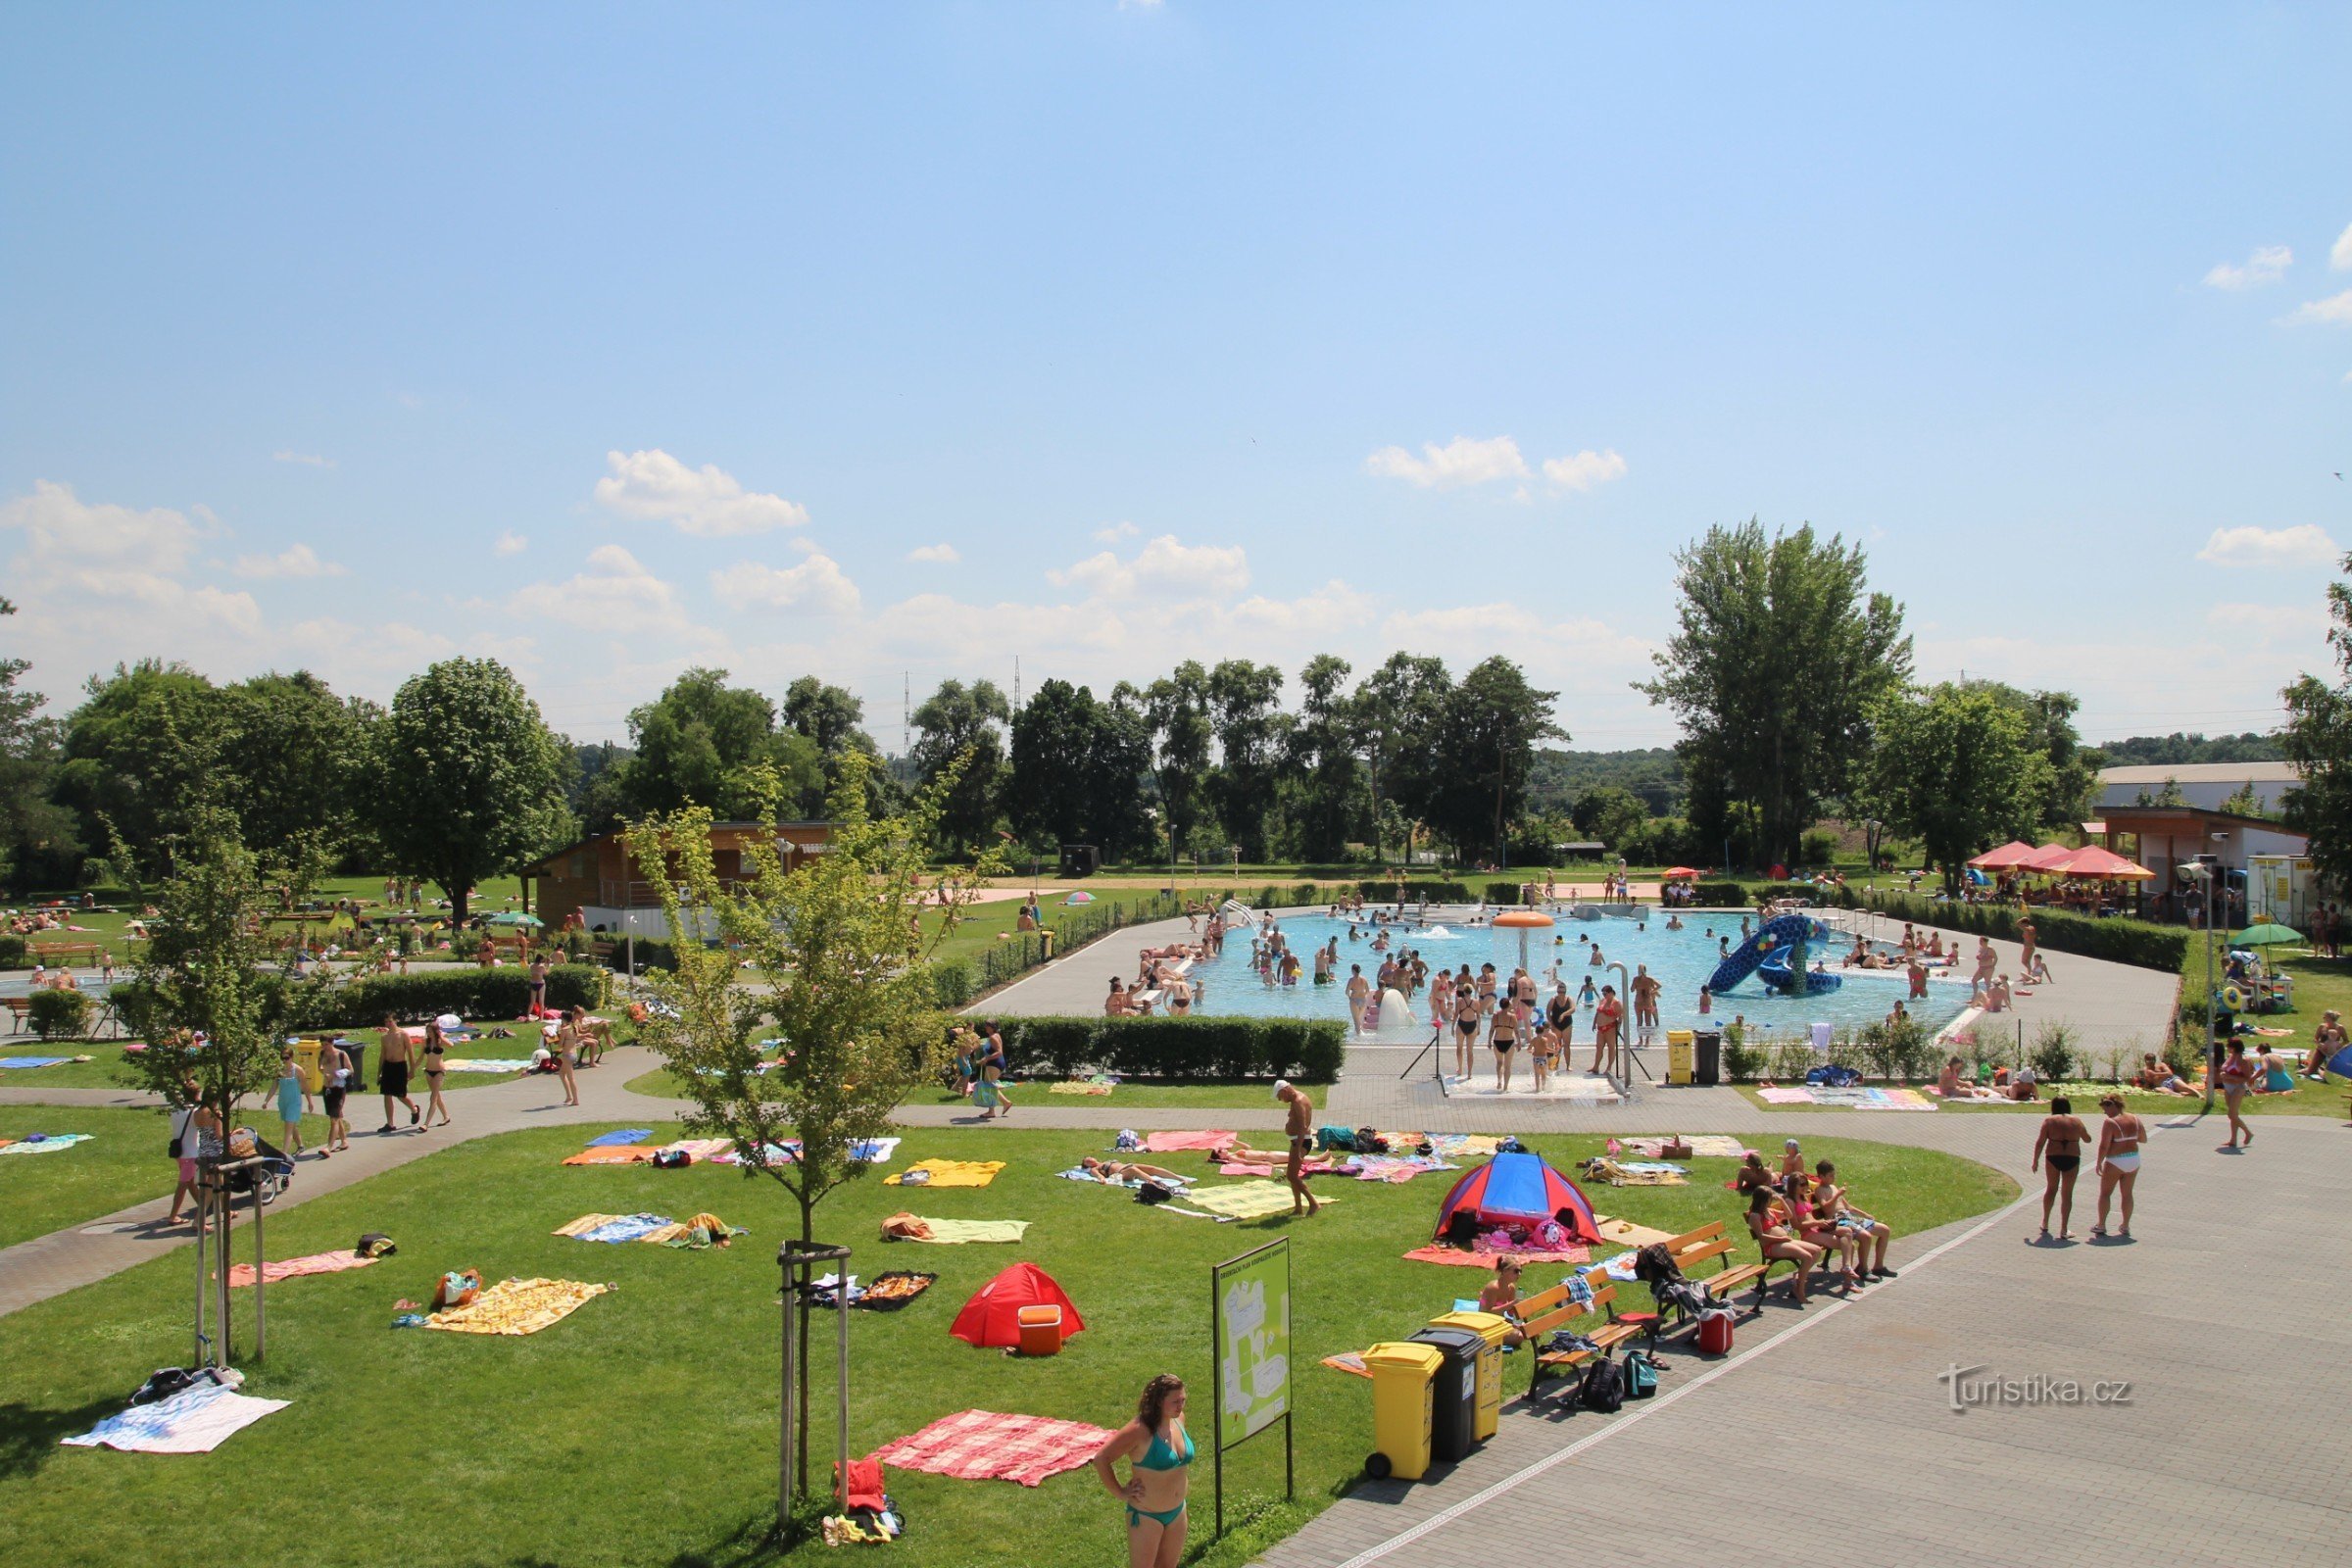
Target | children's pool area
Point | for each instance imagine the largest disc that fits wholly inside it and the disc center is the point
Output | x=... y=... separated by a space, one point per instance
x=1682 y=960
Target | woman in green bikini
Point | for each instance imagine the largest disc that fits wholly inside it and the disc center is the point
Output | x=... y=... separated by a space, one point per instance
x=1159 y=1450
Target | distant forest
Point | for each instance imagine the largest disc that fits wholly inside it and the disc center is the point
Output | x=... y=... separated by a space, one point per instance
x=2168 y=750
x=1653 y=777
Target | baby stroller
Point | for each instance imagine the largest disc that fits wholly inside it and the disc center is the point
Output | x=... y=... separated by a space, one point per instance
x=272 y=1176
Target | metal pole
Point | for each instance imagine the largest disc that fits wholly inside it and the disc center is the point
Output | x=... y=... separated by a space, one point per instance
x=259 y=1284
x=784 y=1450
x=196 y=1357
x=841 y=1314
x=1216 y=1392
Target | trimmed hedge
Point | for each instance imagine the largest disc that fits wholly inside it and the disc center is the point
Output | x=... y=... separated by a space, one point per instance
x=503 y=993
x=15 y=952
x=2138 y=943
x=1805 y=892
x=1506 y=893
x=1305 y=1050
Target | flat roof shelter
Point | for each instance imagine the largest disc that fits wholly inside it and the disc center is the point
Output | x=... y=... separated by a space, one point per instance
x=595 y=880
x=2164 y=838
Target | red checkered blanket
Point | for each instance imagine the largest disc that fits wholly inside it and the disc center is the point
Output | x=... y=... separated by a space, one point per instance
x=983 y=1445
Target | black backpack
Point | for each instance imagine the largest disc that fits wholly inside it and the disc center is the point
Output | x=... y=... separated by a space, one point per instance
x=1604 y=1386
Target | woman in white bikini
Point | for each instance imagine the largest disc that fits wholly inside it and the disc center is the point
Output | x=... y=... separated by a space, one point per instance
x=2236 y=1075
x=2121 y=1136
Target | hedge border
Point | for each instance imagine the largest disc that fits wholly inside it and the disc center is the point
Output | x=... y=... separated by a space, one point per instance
x=1305 y=1049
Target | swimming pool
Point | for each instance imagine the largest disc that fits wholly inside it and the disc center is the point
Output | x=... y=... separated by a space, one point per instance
x=1681 y=962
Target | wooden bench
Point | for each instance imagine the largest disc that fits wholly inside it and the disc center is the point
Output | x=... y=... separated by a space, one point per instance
x=1545 y=1310
x=65 y=952
x=1693 y=1247
x=19 y=1009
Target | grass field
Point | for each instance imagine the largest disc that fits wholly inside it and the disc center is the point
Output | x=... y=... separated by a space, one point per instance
x=641 y=1430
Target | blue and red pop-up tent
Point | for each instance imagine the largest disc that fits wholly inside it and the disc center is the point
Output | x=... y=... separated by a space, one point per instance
x=1519 y=1190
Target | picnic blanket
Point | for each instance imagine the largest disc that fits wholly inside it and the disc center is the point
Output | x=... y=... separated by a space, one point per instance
x=241 y=1274
x=949 y=1173
x=1856 y=1097
x=1707 y=1146
x=1079 y=1174
x=621 y=1135
x=865 y=1150
x=617 y=1228
x=45 y=1142
x=1633 y=1173
x=1391 y=1169
x=195 y=1420
x=1315 y=1166
x=703 y=1149
x=517 y=1307
x=33 y=1062
x=1624 y=1231
x=903 y=1227
x=1080 y=1086
x=1245 y=1200
x=612 y=1154
x=983 y=1445
x=1171 y=1143
x=488 y=1063
x=1459 y=1258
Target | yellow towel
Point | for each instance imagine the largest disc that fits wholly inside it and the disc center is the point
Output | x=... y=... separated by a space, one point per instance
x=1629 y=1234
x=1244 y=1200
x=951 y=1232
x=952 y=1172
x=586 y=1223
x=516 y=1306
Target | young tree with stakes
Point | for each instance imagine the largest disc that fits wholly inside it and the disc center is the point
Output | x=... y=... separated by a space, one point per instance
x=834 y=957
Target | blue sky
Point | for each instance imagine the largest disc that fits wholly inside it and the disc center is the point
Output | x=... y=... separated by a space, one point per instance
x=612 y=340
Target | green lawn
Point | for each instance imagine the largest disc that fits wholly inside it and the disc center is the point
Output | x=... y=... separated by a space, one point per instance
x=122 y=1164
x=658 y=1402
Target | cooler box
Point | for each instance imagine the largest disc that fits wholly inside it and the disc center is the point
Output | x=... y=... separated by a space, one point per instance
x=1403 y=1383
x=1040 y=1330
x=1682 y=1057
x=1454 y=1393
x=1486 y=1403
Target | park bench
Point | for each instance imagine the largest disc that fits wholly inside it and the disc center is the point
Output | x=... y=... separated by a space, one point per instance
x=19 y=1009
x=67 y=952
x=1693 y=1247
x=1545 y=1310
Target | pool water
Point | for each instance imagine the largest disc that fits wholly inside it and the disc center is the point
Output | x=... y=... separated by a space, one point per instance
x=1682 y=960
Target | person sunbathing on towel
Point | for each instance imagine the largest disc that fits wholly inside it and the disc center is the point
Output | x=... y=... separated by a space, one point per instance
x=1119 y=1170
x=2159 y=1077
x=1238 y=1152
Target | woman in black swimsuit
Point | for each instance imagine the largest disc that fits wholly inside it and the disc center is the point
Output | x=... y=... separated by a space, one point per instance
x=437 y=1053
x=2062 y=1138
x=1503 y=1037
x=1465 y=1024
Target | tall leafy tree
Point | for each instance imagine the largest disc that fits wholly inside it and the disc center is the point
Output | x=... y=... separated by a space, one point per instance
x=473 y=779
x=1328 y=803
x=294 y=760
x=1779 y=655
x=1485 y=753
x=834 y=718
x=1183 y=741
x=959 y=721
x=2071 y=777
x=2318 y=737
x=1399 y=710
x=1244 y=706
x=1611 y=814
x=1077 y=768
x=37 y=837
x=1956 y=769
x=706 y=743
x=141 y=754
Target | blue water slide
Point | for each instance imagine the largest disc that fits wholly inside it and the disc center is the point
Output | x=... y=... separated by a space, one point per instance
x=1778 y=976
x=1776 y=935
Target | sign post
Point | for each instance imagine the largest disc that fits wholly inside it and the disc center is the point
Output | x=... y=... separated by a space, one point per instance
x=1249 y=1330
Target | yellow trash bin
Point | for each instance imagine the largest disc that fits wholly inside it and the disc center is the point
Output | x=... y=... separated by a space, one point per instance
x=306 y=1062
x=1486 y=1402
x=1682 y=1057
x=1401 y=1372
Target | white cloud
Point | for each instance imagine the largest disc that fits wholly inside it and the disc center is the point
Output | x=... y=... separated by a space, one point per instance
x=2334 y=310
x=2267 y=264
x=707 y=501
x=936 y=554
x=1459 y=461
x=509 y=543
x=2304 y=545
x=1162 y=564
x=295 y=561
x=1117 y=532
x=1583 y=470
x=66 y=533
x=2341 y=256
x=615 y=595
x=817 y=584
x=308 y=460
x=98 y=582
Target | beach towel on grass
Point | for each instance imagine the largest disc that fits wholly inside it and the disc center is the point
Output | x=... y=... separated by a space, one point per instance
x=487 y=1064
x=1625 y=1233
x=46 y=1144
x=1316 y=1165
x=1458 y=1257
x=195 y=1420
x=867 y=1151
x=241 y=1274
x=902 y=1227
x=1781 y=1095
x=1707 y=1146
x=983 y=1445
x=950 y=1173
x=517 y=1307
x=1391 y=1168
x=1171 y=1142
x=33 y=1062
x=621 y=1135
x=1079 y=1086
x=616 y=1228
x=1245 y=1200
x=614 y=1154
x=702 y=1151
